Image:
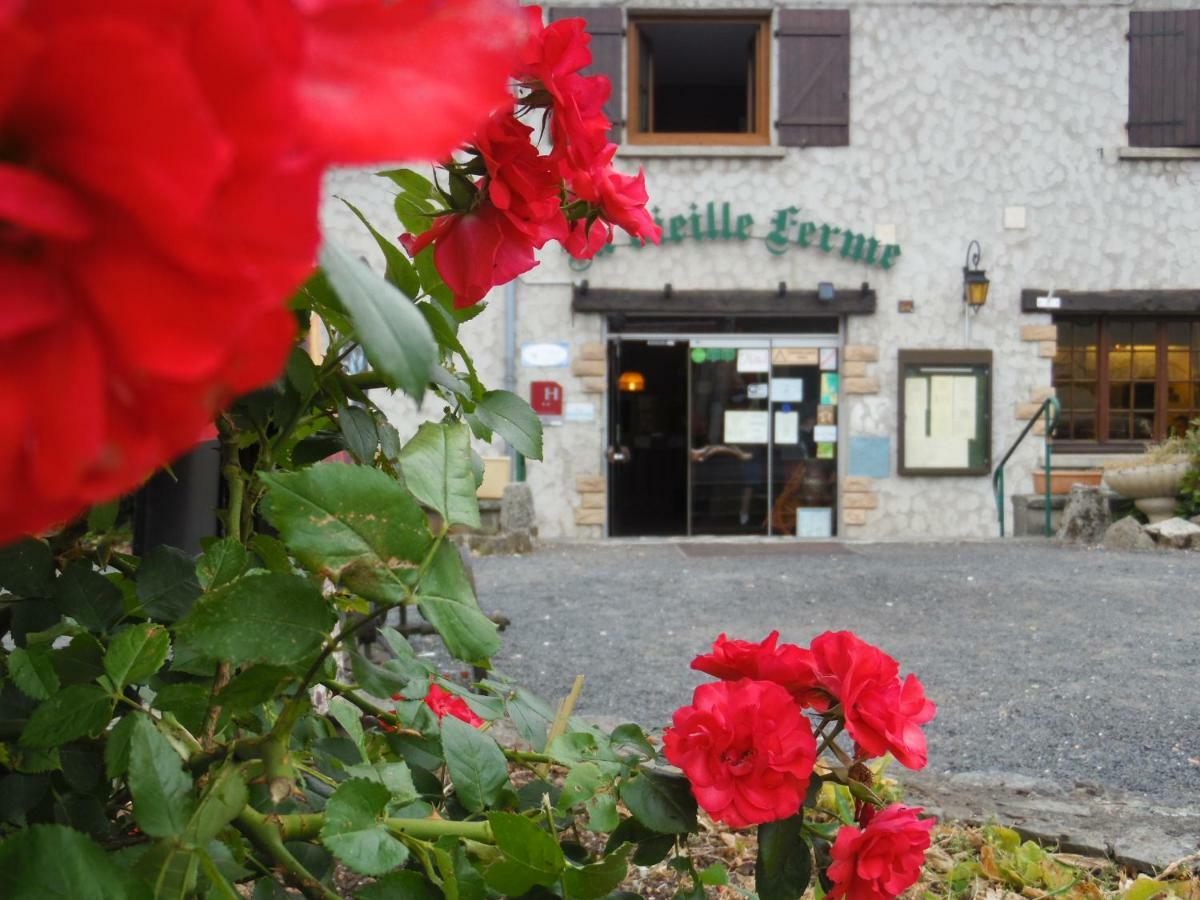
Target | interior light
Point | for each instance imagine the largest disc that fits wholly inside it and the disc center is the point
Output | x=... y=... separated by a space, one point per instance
x=631 y=381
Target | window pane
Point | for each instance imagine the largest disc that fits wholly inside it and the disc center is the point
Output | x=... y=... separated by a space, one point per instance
x=1120 y=395
x=703 y=74
x=1145 y=364
x=1177 y=365
x=1084 y=427
x=1143 y=396
x=1143 y=427
x=1145 y=335
x=1120 y=366
x=1118 y=426
x=1179 y=395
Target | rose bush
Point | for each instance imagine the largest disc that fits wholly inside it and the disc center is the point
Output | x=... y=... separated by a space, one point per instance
x=210 y=727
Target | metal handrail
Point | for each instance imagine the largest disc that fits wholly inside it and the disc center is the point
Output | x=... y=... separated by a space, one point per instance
x=1051 y=409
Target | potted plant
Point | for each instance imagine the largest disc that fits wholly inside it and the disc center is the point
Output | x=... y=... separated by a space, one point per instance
x=1154 y=479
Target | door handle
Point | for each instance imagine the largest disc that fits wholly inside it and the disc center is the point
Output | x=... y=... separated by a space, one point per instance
x=619 y=454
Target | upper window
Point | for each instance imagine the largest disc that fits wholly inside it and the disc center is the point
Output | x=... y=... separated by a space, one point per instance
x=707 y=79
x=1164 y=74
x=1126 y=380
x=699 y=81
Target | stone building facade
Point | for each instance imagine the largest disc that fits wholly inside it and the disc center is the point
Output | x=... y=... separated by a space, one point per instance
x=966 y=120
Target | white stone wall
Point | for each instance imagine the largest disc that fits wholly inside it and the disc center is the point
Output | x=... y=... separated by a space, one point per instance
x=958 y=110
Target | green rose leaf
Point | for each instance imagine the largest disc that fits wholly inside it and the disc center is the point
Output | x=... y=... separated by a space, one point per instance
x=513 y=419
x=531 y=856
x=222 y=801
x=354 y=830
x=400 y=271
x=410 y=182
x=162 y=791
x=597 y=879
x=88 y=597
x=467 y=633
x=478 y=769
x=354 y=524
x=266 y=618
x=784 y=865
x=446 y=575
x=74 y=712
x=222 y=561
x=395 y=776
x=253 y=687
x=27 y=568
x=661 y=802
x=136 y=653
x=116 y=747
x=350 y=718
x=167 y=584
x=359 y=430
x=32 y=672
x=55 y=861
x=408 y=885
x=395 y=336
x=437 y=469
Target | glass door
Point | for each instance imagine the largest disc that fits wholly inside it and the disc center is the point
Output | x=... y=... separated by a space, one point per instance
x=804 y=395
x=729 y=436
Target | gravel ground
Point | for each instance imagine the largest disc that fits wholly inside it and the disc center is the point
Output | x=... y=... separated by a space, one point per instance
x=1056 y=662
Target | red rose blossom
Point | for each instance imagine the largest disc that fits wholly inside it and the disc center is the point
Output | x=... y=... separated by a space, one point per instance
x=882 y=713
x=746 y=749
x=881 y=860
x=443 y=703
x=158 y=203
x=767 y=660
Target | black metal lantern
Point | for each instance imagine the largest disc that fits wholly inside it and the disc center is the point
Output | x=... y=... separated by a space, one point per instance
x=975 y=280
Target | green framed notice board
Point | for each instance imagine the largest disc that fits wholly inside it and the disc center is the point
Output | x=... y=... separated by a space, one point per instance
x=945 y=412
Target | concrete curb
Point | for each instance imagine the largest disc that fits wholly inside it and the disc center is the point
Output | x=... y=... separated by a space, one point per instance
x=1084 y=819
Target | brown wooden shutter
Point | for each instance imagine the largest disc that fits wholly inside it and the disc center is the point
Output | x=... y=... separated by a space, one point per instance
x=814 y=77
x=1164 y=79
x=606 y=25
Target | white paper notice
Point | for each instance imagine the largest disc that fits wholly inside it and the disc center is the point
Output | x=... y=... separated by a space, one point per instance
x=825 y=434
x=745 y=427
x=828 y=359
x=964 y=407
x=580 y=412
x=787 y=390
x=916 y=405
x=941 y=406
x=754 y=360
x=757 y=391
x=787 y=428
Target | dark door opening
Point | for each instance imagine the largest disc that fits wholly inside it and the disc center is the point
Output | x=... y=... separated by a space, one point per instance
x=647 y=468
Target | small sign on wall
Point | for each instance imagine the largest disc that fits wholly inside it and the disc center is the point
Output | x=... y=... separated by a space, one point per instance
x=546 y=355
x=546 y=398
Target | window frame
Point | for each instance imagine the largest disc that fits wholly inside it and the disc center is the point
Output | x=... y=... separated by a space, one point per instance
x=1102 y=409
x=761 y=136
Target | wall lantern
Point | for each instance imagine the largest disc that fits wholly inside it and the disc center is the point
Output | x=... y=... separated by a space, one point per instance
x=975 y=281
x=631 y=382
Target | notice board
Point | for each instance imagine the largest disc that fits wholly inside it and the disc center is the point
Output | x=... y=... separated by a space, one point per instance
x=945 y=412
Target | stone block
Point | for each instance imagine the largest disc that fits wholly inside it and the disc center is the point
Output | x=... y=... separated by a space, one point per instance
x=586 y=516
x=1175 y=532
x=1047 y=349
x=1039 y=427
x=1026 y=411
x=1039 y=332
x=1127 y=534
x=591 y=350
x=860 y=353
x=1042 y=394
x=593 y=385
x=586 y=367
x=589 y=484
x=593 y=501
x=858 y=485
x=854 y=369
x=854 y=516
x=861 y=385
x=860 y=501
x=516 y=508
x=1086 y=517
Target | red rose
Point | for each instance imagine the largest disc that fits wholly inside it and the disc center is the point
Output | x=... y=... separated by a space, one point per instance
x=159 y=192
x=881 y=860
x=747 y=750
x=443 y=703
x=586 y=240
x=882 y=713
x=785 y=664
x=521 y=184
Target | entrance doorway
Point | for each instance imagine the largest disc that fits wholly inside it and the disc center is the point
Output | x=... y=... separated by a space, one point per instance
x=647 y=477
x=723 y=435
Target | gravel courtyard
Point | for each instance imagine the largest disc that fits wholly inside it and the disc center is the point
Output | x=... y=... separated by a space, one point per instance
x=1055 y=662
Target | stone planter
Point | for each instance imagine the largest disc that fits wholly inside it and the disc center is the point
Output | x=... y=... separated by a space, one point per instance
x=1152 y=487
